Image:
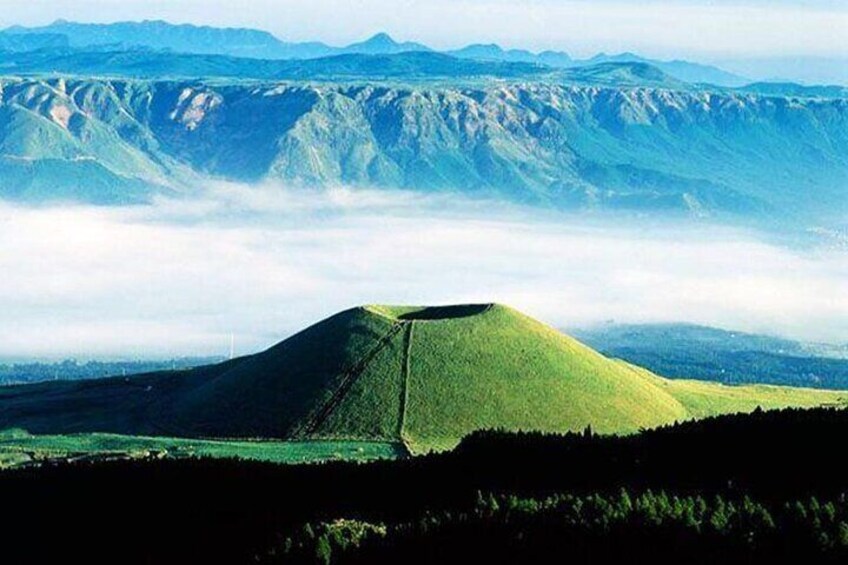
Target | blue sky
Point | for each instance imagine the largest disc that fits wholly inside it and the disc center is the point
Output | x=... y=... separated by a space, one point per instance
x=707 y=30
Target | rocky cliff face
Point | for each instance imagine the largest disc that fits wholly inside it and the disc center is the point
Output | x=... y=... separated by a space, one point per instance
x=710 y=152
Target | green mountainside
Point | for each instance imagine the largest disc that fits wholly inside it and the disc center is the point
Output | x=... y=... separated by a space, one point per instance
x=573 y=146
x=425 y=377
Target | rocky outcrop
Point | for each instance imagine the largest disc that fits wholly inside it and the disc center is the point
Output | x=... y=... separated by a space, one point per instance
x=646 y=148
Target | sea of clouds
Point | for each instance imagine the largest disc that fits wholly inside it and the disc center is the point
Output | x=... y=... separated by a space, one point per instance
x=180 y=276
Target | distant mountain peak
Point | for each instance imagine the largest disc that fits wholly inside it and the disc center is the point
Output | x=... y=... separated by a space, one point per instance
x=383 y=44
x=493 y=51
x=625 y=57
x=489 y=49
x=381 y=38
x=488 y=46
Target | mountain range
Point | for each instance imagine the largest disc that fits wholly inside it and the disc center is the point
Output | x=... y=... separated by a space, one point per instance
x=117 y=113
x=251 y=43
x=615 y=136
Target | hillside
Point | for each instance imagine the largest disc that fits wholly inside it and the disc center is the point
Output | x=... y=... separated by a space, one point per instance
x=422 y=376
x=698 y=352
x=578 y=146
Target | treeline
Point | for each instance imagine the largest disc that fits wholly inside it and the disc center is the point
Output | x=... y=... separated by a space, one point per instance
x=70 y=369
x=621 y=528
x=212 y=511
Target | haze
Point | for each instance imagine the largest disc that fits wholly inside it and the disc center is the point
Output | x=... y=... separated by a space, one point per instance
x=708 y=30
x=178 y=277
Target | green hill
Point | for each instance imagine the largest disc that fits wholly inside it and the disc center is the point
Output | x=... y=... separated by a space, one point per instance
x=424 y=376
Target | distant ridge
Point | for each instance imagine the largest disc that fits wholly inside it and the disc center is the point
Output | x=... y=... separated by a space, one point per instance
x=731 y=357
x=158 y=34
x=421 y=376
x=383 y=44
x=241 y=42
x=494 y=52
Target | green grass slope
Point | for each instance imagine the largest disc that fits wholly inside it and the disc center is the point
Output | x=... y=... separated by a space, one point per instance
x=499 y=368
x=284 y=391
x=424 y=376
x=703 y=399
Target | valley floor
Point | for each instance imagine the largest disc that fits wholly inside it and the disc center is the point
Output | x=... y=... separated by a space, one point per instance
x=21 y=449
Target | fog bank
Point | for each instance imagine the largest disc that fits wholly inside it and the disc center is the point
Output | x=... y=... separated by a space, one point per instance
x=178 y=277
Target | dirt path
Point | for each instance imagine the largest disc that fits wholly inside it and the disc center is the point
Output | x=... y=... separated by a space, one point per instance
x=404 y=395
x=348 y=379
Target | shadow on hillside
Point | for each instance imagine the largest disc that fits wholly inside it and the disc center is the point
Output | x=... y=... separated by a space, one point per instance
x=445 y=312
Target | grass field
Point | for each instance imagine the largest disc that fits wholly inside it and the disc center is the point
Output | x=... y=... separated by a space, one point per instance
x=423 y=376
x=19 y=448
x=703 y=399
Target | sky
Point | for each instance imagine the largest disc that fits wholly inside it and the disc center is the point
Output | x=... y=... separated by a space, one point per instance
x=177 y=278
x=701 y=29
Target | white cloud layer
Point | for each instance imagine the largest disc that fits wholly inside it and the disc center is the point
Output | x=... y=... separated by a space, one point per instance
x=177 y=277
